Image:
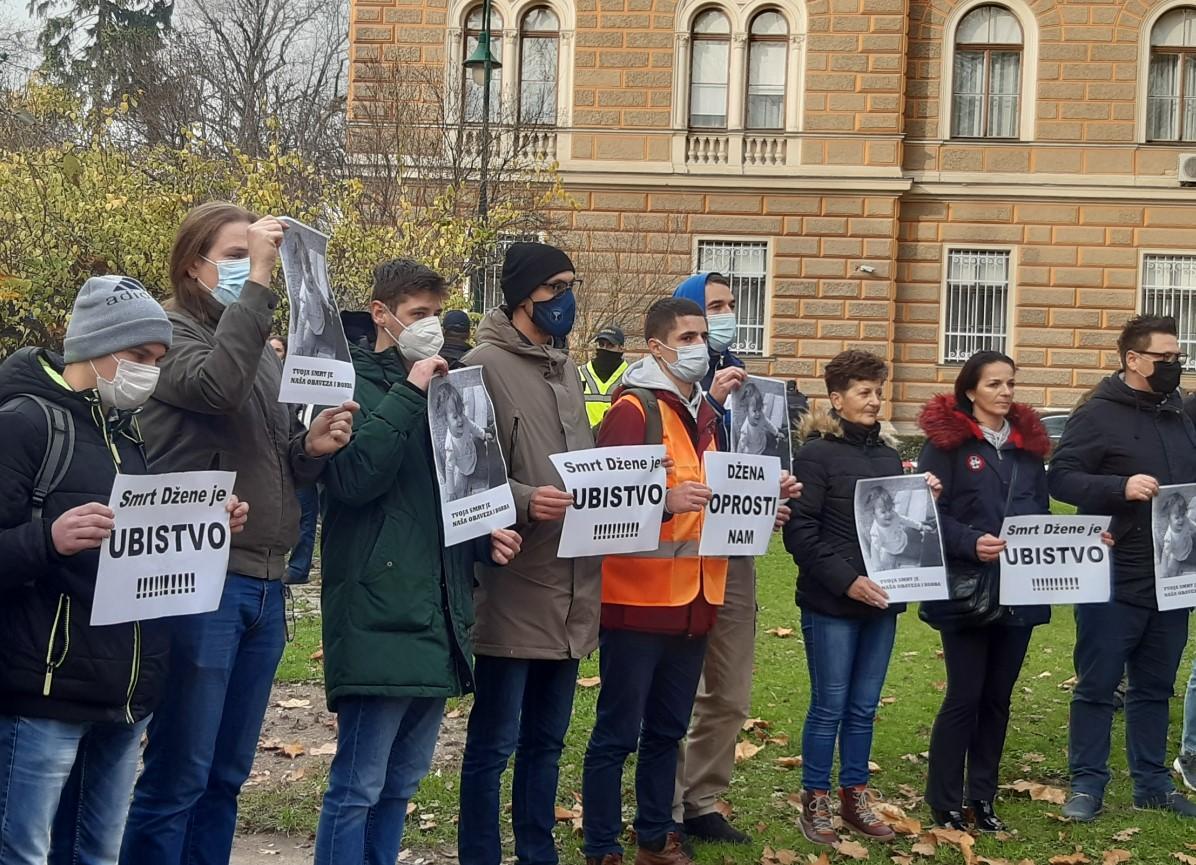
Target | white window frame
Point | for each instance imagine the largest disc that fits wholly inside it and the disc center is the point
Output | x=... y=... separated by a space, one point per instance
x=1027 y=98
x=765 y=323
x=1147 y=29
x=1010 y=295
x=1187 y=342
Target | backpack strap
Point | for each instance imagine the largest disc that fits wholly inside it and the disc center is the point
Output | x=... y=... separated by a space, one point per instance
x=60 y=450
x=653 y=424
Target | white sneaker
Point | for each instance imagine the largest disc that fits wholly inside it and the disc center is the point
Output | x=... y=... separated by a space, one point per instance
x=1185 y=767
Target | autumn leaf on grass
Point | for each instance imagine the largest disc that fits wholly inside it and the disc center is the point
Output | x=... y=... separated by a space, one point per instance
x=563 y=815
x=1185 y=858
x=781 y=632
x=1038 y=792
x=781 y=740
x=873 y=767
x=317 y=655
x=746 y=751
x=1116 y=856
x=292 y=750
x=328 y=749
x=852 y=849
x=293 y=704
x=1126 y=834
x=589 y=681
x=1077 y=858
x=411 y=808
x=965 y=842
x=897 y=819
x=790 y=762
x=786 y=857
x=819 y=860
x=902 y=859
x=722 y=806
x=1068 y=684
x=888 y=701
x=1034 y=758
x=755 y=724
x=453 y=714
x=926 y=846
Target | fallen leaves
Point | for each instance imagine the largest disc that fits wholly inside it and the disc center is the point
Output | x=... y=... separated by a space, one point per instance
x=287 y=749
x=1076 y=858
x=852 y=850
x=563 y=815
x=790 y=762
x=1126 y=834
x=778 y=857
x=293 y=704
x=589 y=681
x=1116 y=856
x=746 y=751
x=328 y=749
x=1185 y=858
x=897 y=819
x=1038 y=792
x=783 y=633
x=317 y=655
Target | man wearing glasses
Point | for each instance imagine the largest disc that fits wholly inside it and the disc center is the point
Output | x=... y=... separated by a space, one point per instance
x=538 y=616
x=1131 y=437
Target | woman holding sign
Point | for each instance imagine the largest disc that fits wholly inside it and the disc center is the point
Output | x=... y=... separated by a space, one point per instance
x=989 y=452
x=846 y=619
x=216 y=407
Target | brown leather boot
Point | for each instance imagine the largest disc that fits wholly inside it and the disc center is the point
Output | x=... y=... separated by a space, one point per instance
x=608 y=859
x=855 y=807
x=816 y=820
x=672 y=854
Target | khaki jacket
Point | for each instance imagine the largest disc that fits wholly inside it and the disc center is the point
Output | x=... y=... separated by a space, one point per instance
x=539 y=606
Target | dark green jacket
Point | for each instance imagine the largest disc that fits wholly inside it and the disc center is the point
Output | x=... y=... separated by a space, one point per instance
x=397 y=605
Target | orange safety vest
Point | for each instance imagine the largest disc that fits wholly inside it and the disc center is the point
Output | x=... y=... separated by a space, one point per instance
x=674 y=573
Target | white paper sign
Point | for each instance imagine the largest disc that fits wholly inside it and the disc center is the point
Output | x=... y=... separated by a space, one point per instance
x=318 y=368
x=1173 y=525
x=1055 y=560
x=618 y=500
x=743 y=509
x=475 y=495
x=168 y=554
x=898 y=527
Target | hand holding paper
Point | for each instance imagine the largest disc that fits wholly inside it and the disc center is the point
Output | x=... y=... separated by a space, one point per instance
x=265 y=236
x=83 y=528
x=790 y=487
x=936 y=486
x=989 y=548
x=238 y=514
x=687 y=498
x=867 y=592
x=725 y=381
x=423 y=371
x=549 y=504
x=331 y=429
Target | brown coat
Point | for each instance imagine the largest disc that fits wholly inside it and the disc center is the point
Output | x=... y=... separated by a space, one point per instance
x=539 y=606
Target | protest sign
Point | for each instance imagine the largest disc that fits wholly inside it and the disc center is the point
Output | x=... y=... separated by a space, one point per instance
x=743 y=507
x=1055 y=560
x=760 y=419
x=1173 y=526
x=898 y=528
x=168 y=552
x=475 y=496
x=318 y=369
x=618 y=500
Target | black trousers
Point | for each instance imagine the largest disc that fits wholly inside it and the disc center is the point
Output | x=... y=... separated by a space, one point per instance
x=982 y=668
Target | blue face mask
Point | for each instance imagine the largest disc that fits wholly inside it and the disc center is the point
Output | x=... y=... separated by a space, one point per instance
x=722 y=329
x=555 y=317
x=232 y=277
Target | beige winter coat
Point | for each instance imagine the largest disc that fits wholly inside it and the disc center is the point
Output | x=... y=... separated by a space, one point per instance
x=539 y=606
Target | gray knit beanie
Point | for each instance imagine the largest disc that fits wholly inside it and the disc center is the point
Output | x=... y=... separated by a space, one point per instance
x=113 y=313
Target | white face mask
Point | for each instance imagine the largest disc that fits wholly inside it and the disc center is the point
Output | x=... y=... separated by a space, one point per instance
x=130 y=386
x=692 y=363
x=722 y=328
x=419 y=340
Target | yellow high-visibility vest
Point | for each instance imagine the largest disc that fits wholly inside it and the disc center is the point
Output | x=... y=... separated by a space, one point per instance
x=597 y=392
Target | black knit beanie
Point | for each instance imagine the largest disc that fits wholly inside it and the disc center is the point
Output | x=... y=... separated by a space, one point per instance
x=527 y=266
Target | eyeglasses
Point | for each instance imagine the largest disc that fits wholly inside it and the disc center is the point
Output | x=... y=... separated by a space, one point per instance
x=559 y=288
x=1165 y=356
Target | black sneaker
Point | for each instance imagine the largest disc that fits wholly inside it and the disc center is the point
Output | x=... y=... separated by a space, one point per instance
x=1174 y=801
x=984 y=815
x=1082 y=808
x=713 y=828
x=949 y=819
x=1185 y=765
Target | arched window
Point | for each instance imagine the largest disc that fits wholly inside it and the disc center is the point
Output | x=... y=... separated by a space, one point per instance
x=1171 y=81
x=987 y=74
x=539 y=52
x=708 y=66
x=768 y=48
x=472 y=90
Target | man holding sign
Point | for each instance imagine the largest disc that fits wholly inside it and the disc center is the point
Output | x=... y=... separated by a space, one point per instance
x=86 y=694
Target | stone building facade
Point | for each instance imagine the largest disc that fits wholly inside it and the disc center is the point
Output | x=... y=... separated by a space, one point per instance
x=918 y=177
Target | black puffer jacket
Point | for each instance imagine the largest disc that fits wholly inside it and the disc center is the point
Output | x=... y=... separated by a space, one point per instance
x=821 y=534
x=109 y=673
x=1120 y=432
x=976 y=479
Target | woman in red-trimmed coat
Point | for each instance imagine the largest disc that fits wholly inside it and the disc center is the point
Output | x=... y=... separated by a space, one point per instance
x=979 y=442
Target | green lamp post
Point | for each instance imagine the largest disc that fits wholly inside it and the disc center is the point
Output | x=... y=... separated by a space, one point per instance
x=482 y=64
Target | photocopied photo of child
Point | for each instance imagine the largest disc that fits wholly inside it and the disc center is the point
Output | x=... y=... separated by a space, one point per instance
x=315 y=326
x=897 y=524
x=760 y=419
x=461 y=419
x=1174 y=530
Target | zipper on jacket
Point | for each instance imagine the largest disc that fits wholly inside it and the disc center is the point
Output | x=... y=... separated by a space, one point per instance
x=61 y=614
x=514 y=437
x=134 y=673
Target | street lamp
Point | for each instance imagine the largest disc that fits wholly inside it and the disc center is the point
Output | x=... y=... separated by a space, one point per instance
x=481 y=64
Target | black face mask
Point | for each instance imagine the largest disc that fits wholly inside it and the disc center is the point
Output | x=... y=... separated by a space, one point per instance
x=1165 y=378
x=606 y=362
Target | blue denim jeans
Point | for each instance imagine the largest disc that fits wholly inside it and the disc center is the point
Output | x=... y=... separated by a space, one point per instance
x=848 y=660
x=64 y=789
x=1147 y=645
x=649 y=682
x=1189 y=743
x=299 y=565
x=521 y=707
x=384 y=749
x=204 y=734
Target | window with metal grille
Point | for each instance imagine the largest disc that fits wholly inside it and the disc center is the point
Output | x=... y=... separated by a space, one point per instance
x=977 y=303
x=488 y=294
x=1171 y=78
x=745 y=262
x=1169 y=288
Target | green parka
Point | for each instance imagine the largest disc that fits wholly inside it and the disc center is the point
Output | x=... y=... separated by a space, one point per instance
x=397 y=605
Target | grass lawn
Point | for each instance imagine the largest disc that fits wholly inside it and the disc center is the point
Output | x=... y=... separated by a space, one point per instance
x=1036 y=750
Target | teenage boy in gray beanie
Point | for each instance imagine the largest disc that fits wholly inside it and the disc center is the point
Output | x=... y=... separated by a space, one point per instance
x=74 y=696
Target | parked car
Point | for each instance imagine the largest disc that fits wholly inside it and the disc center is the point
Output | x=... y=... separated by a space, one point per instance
x=1054 y=422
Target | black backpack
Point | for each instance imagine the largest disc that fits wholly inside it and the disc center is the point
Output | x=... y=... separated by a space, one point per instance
x=60 y=449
